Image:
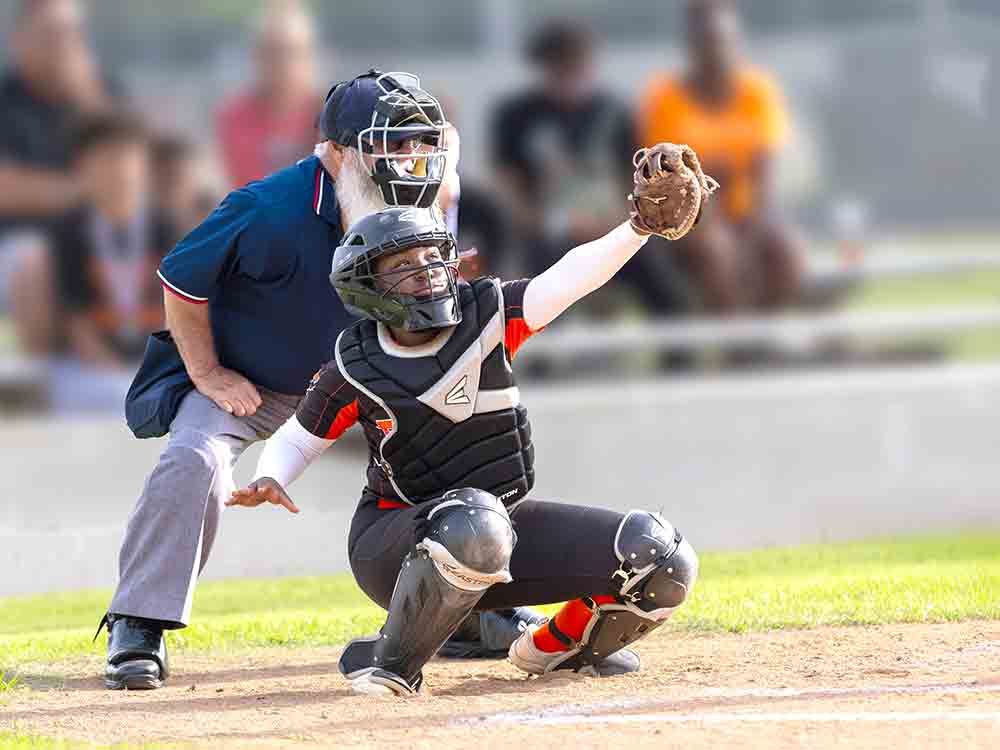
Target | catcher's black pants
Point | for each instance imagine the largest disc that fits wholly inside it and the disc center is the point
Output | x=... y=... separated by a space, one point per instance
x=563 y=552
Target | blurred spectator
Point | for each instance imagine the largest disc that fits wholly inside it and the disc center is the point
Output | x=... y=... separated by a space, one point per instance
x=742 y=255
x=471 y=212
x=563 y=147
x=563 y=154
x=178 y=192
x=106 y=252
x=53 y=79
x=274 y=123
x=482 y=228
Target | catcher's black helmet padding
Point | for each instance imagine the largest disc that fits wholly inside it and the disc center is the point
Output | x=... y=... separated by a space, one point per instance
x=364 y=292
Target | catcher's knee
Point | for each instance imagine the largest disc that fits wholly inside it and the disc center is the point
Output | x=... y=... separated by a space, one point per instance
x=658 y=565
x=470 y=538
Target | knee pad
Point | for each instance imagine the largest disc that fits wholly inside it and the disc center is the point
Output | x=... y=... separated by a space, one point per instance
x=470 y=538
x=658 y=565
x=657 y=569
x=467 y=541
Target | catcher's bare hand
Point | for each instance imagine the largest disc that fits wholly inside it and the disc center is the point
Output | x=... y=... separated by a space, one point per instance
x=669 y=190
x=264 y=490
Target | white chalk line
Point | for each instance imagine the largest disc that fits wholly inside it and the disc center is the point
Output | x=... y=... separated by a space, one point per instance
x=597 y=712
x=707 y=717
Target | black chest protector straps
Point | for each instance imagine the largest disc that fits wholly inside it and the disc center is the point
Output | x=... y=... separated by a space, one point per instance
x=455 y=410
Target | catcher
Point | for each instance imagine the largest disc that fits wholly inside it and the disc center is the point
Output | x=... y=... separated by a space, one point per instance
x=444 y=526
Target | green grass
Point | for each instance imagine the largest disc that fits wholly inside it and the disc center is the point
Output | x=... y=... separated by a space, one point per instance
x=946 y=290
x=914 y=580
x=20 y=741
x=976 y=288
x=7 y=682
x=17 y=741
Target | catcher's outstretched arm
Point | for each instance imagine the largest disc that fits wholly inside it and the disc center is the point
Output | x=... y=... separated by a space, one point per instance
x=579 y=272
x=289 y=451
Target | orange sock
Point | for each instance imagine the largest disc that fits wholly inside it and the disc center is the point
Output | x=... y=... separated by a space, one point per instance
x=571 y=621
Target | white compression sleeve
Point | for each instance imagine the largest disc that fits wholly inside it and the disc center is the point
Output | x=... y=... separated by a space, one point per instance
x=579 y=272
x=288 y=453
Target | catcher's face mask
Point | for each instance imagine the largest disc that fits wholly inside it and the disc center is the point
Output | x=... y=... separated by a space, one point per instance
x=400 y=267
x=421 y=272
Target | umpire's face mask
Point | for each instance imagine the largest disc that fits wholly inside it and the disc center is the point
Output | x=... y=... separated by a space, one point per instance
x=407 y=157
x=406 y=161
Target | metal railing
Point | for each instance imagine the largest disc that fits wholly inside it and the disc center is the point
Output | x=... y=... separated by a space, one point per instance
x=794 y=333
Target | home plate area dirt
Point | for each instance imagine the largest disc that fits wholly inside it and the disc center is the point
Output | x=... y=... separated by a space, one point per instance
x=875 y=687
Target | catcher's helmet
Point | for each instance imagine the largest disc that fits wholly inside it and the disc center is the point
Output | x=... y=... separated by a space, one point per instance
x=375 y=295
x=389 y=117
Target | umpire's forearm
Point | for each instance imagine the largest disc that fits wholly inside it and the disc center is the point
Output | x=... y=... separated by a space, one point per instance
x=191 y=327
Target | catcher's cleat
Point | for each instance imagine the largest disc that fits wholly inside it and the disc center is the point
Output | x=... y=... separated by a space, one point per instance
x=526 y=656
x=490 y=634
x=356 y=665
x=382 y=682
x=137 y=653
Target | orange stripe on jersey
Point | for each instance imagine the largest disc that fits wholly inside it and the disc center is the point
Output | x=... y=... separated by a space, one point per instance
x=516 y=334
x=384 y=504
x=346 y=417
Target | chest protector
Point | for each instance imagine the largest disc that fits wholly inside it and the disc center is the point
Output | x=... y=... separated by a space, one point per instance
x=455 y=409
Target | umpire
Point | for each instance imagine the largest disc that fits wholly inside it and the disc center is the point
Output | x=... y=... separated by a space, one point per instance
x=251 y=317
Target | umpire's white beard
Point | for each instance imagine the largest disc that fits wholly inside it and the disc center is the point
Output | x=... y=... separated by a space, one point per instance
x=357 y=195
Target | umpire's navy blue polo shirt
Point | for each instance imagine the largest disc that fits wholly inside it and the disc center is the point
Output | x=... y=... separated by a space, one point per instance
x=261 y=262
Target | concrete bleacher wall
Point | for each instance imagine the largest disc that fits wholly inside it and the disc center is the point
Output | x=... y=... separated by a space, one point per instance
x=735 y=463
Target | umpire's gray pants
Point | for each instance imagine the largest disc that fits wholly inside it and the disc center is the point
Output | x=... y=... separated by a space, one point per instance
x=171 y=530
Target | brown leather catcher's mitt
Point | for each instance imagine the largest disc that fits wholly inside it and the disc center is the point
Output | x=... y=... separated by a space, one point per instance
x=669 y=190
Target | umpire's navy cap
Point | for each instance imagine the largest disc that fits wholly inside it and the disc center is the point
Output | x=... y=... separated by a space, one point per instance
x=351 y=105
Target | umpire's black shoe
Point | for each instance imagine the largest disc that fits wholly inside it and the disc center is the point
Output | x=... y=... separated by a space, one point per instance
x=137 y=653
x=489 y=635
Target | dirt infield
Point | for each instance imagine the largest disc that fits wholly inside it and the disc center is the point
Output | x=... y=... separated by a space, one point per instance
x=880 y=687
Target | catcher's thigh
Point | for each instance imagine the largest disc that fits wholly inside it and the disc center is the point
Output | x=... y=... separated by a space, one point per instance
x=563 y=552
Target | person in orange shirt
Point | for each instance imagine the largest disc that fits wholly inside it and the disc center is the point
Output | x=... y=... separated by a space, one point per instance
x=743 y=255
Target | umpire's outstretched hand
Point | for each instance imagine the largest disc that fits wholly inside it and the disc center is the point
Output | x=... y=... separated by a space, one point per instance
x=264 y=490
x=229 y=390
